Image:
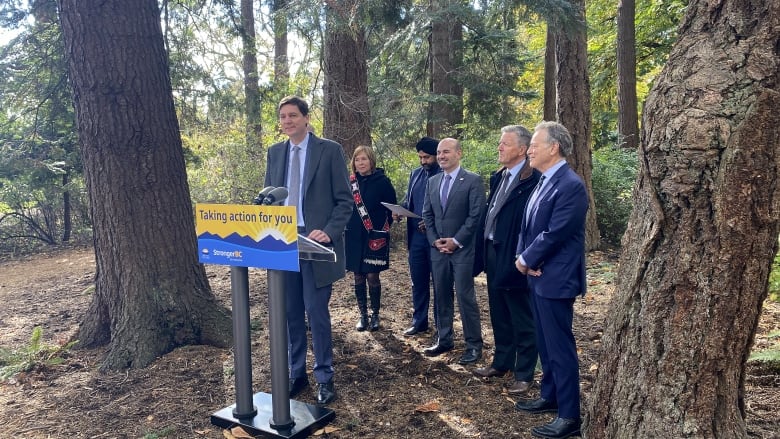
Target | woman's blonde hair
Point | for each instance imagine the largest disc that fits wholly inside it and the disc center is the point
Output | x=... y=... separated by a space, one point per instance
x=369 y=152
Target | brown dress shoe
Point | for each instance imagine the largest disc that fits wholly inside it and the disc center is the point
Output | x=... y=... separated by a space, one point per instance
x=488 y=371
x=519 y=387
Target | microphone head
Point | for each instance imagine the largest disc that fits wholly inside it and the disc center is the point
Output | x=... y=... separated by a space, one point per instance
x=278 y=194
x=262 y=194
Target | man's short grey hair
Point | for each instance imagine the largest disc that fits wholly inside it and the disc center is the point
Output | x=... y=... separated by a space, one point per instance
x=557 y=133
x=522 y=133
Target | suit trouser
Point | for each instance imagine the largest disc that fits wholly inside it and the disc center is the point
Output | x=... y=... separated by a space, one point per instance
x=420 y=271
x=513 y=323
x=449 y=272
x=304 y=298
x=558 y=352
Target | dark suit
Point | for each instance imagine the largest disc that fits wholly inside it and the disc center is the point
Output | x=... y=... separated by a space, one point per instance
x=553 y=240
x=327 y=206
x=419 y=249
x=508 y=294
x=459 y=220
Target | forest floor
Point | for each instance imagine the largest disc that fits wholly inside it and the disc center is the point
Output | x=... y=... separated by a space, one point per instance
x=387 y=388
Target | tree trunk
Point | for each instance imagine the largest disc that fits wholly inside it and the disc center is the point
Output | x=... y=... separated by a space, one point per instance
x=251 y=87
x=281 y=65
x=151 y=293
x=550 y=72
x=573 y=106
x=700 y=242
x=347 y=118
x=445 y=112
x=627 y=118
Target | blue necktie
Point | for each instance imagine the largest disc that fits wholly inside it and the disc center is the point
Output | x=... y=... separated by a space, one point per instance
x=445 y=191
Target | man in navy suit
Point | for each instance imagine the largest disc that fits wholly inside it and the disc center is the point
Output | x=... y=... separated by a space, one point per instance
x=453 y=208
x=416 y=241
x=551 y=252
x=315 y=172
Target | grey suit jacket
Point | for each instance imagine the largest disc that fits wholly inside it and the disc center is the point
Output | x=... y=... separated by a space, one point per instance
x=327 y=198
x=461 y=218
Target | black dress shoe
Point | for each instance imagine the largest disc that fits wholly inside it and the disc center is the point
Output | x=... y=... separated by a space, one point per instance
x=297 y=385
x=470 y=356
x=540 y=405
x=326 y=393
x=559 y=428
x=437 y=349
x=488 y=371
x=412 y=330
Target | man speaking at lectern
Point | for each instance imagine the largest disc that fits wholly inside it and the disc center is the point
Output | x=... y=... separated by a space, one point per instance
x=315 y=172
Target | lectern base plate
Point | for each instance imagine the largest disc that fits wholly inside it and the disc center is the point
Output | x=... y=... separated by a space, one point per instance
x=308 y=418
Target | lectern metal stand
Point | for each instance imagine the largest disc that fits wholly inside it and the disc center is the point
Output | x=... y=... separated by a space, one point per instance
x=274 y=414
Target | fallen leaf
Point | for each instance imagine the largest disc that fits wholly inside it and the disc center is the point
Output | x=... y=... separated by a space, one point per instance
x=428 y=407
x=205 y=431
x=227 y=434
x=239 y=432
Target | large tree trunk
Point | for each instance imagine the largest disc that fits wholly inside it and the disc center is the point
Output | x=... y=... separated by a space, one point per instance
x=700 y=242
x=627 y=117
x=251 y=87
x=550 y=72
x=281 y=64
x=347 y=118
x=573 y=105
x=445 y=112
x=151 y=293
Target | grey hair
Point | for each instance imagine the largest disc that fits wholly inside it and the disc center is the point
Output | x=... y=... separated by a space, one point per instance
x=522 y=133
x=557 y=133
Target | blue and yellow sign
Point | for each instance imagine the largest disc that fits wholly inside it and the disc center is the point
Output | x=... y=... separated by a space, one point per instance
x=247 y=235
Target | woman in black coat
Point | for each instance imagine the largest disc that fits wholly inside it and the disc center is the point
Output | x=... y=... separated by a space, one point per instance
x=373 y=187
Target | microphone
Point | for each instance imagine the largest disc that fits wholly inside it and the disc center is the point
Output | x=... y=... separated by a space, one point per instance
x=276 y=195
x=263 y=193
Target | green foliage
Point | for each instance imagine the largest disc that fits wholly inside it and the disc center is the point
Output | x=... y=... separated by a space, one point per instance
x=769 y=357
x=35 y=355
x=165 y=432
x=614 y=173
x=774 y=280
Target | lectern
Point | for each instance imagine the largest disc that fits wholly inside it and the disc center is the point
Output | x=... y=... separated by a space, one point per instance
x=274 y=414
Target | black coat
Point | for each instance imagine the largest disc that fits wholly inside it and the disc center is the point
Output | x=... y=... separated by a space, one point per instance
x=374 y=189
x=509 y=221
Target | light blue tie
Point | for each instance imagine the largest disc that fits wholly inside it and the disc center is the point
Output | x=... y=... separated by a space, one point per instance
x=445 y=191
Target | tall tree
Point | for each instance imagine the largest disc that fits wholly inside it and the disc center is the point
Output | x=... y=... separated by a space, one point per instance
x=627 y=117
x=252 y=102
x=347 y=118
x=445 y=111
x=550 y=74
x=702 y=236
x=281 y=63
x=572 y=89
x=151 y=293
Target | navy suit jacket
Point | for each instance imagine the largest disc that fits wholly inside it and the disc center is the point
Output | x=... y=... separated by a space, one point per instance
x=553 y=239
x=327 y=196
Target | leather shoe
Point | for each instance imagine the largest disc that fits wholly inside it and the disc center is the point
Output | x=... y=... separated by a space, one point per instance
x=326 y=393
x=519 y=387
x=488 y=371
x=540 y=405
x=412 y=330
x=297 y=385
x=437 y=349
x=470 y=356
x=559 y=428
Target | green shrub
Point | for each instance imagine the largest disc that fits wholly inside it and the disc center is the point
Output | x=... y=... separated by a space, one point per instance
x=614 y=173
x=35 y=354
x=774 y=280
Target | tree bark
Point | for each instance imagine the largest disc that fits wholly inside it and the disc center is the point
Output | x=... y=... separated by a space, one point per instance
x=700 y=242
x=627 y=117
x=573 y=106
x=151 y=293
x=347 y=118
x=252 y=102
x=445 y=111
x=550 y=72
x=281 y=64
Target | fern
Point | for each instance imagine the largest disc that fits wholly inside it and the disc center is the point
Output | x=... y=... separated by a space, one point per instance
x=34 y=354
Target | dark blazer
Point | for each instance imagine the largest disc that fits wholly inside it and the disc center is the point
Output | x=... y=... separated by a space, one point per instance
x=509 y=221
x=554 y=237
x=374 y=189
x=327 y=198
x=412 y=223
x=465 y=205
